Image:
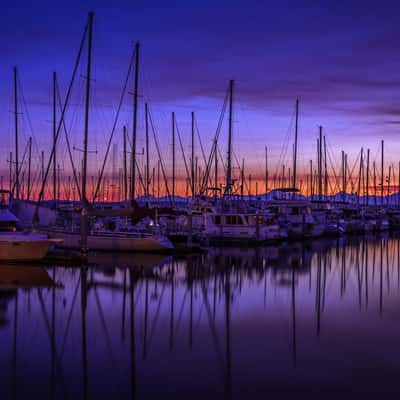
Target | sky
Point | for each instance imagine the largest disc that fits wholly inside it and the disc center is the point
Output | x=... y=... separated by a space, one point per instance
x=340 y=59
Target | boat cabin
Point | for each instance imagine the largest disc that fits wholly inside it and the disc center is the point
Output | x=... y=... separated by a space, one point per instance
x=237 y=219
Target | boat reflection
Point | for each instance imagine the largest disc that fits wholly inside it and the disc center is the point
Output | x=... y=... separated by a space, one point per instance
x=198 y=325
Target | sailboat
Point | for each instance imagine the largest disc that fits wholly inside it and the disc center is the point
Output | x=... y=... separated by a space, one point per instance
x=17 y=246
x=98 y=236
x=101 y=239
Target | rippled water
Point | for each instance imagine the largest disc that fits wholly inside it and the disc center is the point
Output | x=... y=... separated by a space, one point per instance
x=319 y=319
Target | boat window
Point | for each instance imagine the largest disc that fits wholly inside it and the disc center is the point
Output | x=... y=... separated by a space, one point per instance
x=217 y=220
x=253 y=219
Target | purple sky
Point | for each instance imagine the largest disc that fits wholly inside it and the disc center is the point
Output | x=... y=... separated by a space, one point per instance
x=341 y=60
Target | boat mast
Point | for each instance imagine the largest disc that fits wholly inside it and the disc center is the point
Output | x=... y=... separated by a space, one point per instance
x=295 y=147
x=16 y=134
x=374 y=167
x=173 y=158
x=367 y=179
x=382 y=166
x=125 y=167
x=320 y=164
x=153 y=183
x=242 y=180
x=266 y=172
x=134 y=129
x=360 y=174
x=29 y=167
x=84 y=215
x=197 y=173
x=146 y=108
x=326 y=171
x=59 y=181
x=216 y=171
x=87 y=102
x=54 y=139
x=249 y=191
x=398 y=188
x=192 y=158
x=345 y=171
x=343 y=177
x=388 y=185
x=10 y=172
x=158 y=179
x=229 y=163
x=42 y=166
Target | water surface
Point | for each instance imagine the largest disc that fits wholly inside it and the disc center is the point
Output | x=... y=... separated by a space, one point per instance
x=310 y=319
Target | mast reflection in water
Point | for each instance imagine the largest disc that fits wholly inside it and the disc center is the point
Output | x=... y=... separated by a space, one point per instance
x=313 y=318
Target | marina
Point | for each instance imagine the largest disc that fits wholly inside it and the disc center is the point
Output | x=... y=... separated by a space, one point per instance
x=293 y=206
x=199 y=201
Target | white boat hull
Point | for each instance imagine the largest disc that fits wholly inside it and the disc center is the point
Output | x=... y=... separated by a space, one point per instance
x=240 y=232
x=113 y=242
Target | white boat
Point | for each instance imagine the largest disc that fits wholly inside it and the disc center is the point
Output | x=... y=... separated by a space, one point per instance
x=112 y=240
x=20 y=246
x=296 y=217
x=236 y=226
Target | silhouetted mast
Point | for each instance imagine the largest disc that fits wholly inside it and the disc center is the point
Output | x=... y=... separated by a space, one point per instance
x=16 y=134
x=42 y=166
x=367 y=180
x=158 y=179
x=388 y=185
x=125 y=167
x=54 y=139
x=173 y=158
x=242 y=180
x=382 y=172
x=229 y=162
x=147 y=152
x=216 y=170
x=266 y=171
x=374 y=168
x=295 y=145
x=29 y=167
x=320 y=164
x=345 y=171
x=87 y=102
x=343 y=177
x=326 y=171
x=398 y=191
x=10 y=177
x=134 y=129
x=360 y=171
x=84 y=216
x=192 y=158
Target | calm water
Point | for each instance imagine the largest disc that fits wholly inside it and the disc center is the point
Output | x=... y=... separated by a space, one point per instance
x=317 y=319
